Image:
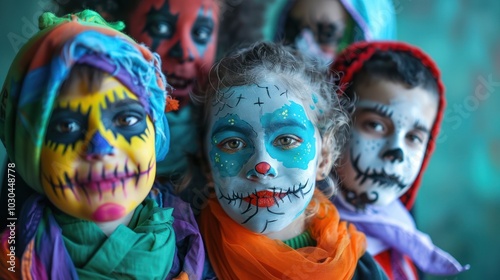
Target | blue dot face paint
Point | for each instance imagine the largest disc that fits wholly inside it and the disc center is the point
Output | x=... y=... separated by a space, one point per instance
x=290 y=124
x=231 y=133
x=263 y=149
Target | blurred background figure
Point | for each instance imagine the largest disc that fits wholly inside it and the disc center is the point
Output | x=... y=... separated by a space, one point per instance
x=320 y=28
x=334 y=24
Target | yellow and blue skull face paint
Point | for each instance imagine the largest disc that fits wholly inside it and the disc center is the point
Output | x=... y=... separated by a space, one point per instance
x=263 y=149
x=99 y=152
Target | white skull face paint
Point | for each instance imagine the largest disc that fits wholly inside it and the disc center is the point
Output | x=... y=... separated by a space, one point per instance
x=263 y=150
x=388 y=142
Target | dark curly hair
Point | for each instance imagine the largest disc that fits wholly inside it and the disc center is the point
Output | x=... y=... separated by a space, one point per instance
x=396 y=66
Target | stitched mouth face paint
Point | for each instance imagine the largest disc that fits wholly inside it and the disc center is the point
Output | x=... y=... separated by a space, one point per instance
x=388 y=142
x=183 y=33
x=263 y=150
x=98 y=157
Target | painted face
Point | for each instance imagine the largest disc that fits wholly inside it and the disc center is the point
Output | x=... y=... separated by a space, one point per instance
x=98 y=156
x=263 y=150
x=388 y=141
x=183 y=33
x=327 y=19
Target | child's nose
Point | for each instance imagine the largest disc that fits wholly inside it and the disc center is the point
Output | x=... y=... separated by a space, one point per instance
x=261 y=169
x=98 y=147
x=180 y=52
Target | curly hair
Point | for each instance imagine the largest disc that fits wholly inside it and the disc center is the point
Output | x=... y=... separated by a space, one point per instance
x=304 y=79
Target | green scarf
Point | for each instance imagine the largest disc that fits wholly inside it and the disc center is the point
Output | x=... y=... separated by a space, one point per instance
x=144 y=249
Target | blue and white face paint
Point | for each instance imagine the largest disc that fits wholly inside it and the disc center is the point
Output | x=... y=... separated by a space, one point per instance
x=263 y=150
x=388 y=141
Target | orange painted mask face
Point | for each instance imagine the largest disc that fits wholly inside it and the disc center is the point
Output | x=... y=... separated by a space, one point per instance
x=183 y=33
x=99 y=153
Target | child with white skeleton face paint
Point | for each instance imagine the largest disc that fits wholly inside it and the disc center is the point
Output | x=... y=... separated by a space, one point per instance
x=399 y=106
x=272 y=129
x=391 y=129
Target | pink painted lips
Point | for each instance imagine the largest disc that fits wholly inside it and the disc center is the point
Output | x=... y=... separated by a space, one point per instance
x=108 y=212
x=264 y=198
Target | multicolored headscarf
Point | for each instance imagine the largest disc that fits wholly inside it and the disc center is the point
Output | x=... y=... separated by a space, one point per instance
x=41 y=66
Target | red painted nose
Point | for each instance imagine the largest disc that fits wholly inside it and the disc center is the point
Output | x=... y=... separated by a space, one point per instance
x=262 y=167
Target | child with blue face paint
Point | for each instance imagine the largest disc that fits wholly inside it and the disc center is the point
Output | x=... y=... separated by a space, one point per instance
x=272 y=129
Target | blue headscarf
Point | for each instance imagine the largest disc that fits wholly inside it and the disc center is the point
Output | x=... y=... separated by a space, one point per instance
x=41 y=66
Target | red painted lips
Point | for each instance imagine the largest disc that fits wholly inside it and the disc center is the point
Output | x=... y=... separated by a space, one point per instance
x=264 y=198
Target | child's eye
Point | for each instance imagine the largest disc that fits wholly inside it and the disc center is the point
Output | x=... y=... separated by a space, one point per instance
x=232 y=145
x=126 y=120
x=375 y=126
x=202 y=34
x=414 y=138
x=67 y=127
x=160 y=28
x=287 y=142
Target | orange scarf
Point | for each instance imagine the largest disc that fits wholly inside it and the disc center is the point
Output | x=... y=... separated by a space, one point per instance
x=237 y=253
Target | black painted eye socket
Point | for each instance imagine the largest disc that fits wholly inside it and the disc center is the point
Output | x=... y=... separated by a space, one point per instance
x=202 y=34
x=202 y=30
x=66 y=126
x=126 y=120
x=126 y=117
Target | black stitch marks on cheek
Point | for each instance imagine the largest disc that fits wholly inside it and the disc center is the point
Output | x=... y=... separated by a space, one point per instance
x=381 y=178
x=75 y=183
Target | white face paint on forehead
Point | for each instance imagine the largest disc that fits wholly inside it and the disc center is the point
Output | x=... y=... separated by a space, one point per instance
x=263 y=151
x=388 y=142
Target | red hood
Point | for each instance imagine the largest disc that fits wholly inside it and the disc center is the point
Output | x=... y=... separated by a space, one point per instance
x=351 y=60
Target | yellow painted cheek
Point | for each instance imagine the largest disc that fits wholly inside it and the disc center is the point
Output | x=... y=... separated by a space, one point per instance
x=57 y=164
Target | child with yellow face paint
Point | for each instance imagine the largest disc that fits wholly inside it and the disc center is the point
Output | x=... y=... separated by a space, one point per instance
x=272 y=128
x=83 y=121
x=184 y=34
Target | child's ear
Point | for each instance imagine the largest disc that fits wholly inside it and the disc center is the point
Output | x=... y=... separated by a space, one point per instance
x=325 y=163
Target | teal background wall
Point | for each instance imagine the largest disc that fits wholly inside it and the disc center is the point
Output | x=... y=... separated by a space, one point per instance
x=459 y=202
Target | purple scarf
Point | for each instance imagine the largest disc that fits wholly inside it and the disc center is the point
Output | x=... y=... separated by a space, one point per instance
x=190 y=255
x=392 y=227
